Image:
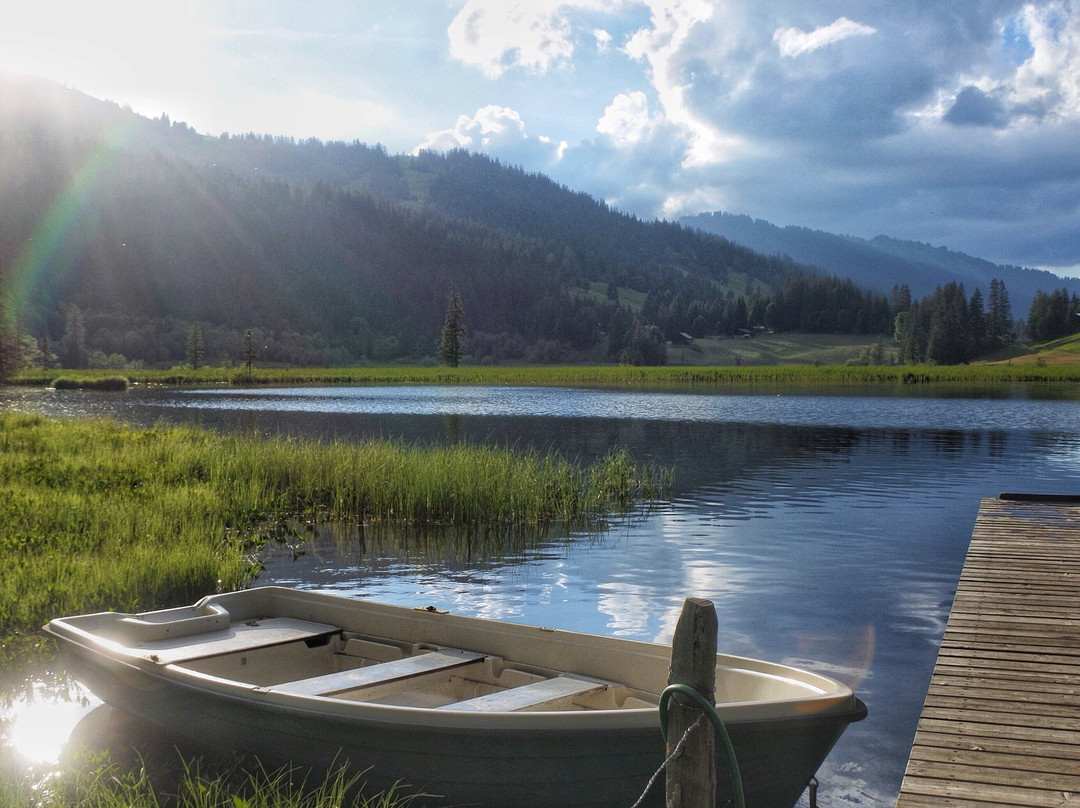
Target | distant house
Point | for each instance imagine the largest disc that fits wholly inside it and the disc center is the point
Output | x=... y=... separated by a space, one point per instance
x=744 y=333
x=682 y=338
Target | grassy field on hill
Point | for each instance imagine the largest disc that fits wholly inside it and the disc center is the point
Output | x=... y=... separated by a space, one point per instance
x=779 y=349
x=1064 y=351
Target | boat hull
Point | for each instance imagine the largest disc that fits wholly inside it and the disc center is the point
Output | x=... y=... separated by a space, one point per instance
x=540 y=761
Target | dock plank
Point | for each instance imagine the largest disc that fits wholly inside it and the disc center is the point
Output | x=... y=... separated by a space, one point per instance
x=1001 y=721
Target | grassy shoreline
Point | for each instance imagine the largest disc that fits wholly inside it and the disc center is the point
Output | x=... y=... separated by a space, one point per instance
x=575 y=375
x=98 y=515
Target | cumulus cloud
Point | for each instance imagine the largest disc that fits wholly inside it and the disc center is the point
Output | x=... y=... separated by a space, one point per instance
x=627 y=120
x=1049 y=80
x=496 y=36
x=492 y=126
x=793 y=42
x=674 y=26
x=499 y=132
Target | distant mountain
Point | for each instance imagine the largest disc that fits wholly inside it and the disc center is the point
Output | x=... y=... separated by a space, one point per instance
x=881 y=262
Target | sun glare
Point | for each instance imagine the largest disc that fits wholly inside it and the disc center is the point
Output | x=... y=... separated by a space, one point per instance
x=38 y=728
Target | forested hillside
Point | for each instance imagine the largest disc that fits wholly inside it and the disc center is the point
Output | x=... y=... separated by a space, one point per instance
x=128 y=240
x=118 y=234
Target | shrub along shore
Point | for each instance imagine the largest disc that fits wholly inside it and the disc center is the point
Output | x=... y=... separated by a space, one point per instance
x=98 y=515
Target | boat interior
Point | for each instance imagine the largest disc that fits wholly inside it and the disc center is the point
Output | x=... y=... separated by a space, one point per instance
x=304 y=659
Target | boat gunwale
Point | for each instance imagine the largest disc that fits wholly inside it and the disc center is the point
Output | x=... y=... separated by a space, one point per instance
x=833 y=703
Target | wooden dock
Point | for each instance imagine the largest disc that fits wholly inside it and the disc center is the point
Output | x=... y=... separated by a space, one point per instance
x=1001 y=722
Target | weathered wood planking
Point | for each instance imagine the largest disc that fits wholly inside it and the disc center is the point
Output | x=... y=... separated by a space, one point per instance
x=1001 y=722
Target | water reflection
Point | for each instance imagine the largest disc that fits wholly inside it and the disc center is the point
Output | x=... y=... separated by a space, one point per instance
x=828 y=529
x=37 y=722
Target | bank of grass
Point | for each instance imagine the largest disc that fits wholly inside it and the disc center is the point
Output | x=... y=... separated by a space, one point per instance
x=111 y=382
x=1018 y=370
x=97 y=515
x=101 y=783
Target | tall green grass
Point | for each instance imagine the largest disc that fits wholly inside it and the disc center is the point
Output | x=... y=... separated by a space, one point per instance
x=110 y=383
x=102 y=783
x=98 y=515
x=606 y=375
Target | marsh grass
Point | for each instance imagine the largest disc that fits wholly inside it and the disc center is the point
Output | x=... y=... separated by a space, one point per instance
x=98 y=782
x=608 y=375
x=110 y=383
x=98 y=515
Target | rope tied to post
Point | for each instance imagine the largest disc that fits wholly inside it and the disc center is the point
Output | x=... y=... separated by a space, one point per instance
x=708 y=711
x=674 y=754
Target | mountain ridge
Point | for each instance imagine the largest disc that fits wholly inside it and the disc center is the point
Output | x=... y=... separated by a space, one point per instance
x=882 y=261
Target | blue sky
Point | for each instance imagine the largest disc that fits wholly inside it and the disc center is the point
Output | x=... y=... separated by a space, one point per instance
x=951 y=122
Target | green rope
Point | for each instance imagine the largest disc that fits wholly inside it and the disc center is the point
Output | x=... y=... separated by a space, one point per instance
x=710 y=711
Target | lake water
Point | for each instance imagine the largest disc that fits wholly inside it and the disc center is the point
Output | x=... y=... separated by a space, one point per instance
x=829 y=528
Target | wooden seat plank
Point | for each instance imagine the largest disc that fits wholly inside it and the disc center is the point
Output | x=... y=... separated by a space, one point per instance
x=378 y=674
x=530 y=696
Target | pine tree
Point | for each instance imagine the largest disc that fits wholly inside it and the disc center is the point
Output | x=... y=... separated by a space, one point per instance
x=73 y=352
x=195 y=346
x=1000 y=323
x=249 y=352
x=453 y=332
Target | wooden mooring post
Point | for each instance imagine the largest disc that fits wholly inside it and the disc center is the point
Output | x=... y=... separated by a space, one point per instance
x=691 y=775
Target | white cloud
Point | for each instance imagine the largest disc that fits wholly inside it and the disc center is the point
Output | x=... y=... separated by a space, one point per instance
x=661 y=46
x=626 y=120
x=535 y=36
x=500 y=132
x=491 y=126
x=495 y=36
x=1049 y=81
x=794 y=42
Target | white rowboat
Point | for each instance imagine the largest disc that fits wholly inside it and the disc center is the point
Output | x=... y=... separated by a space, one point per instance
x=480 y=712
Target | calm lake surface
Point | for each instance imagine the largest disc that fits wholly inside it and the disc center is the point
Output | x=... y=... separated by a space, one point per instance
x=829 y=528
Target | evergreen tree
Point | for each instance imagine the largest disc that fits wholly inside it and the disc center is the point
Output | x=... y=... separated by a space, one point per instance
x=195 y=346
x=646 y=347
x=999 y=315
x=946 y=342
x=978 y=333
x=452 y=343
x=1053 y=315
x=249 y=352
x=73 y=343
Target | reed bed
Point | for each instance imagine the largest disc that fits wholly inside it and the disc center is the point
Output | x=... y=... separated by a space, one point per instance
x=102 y=783
x=99 y=515
x=112 y=383
x=607 y=375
